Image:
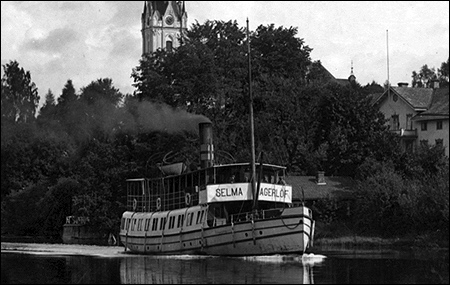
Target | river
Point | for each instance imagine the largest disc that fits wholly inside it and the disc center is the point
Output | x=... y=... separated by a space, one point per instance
x=59 y=263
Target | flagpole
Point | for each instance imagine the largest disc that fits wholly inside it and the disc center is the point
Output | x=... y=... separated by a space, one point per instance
x=252 y=130
x=387 y=52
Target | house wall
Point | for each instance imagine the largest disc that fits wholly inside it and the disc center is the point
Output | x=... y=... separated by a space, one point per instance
x=432 y=133
x=390 y=107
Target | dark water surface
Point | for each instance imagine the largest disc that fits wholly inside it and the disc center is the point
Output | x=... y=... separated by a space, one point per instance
x=107 y=265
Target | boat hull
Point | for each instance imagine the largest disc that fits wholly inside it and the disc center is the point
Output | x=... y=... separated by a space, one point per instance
x=291 y=232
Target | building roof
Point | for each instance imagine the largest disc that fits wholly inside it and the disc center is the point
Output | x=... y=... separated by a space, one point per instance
x=438 y=108
x=340 y=187
x=327 y=76
x=161 y=7
x=417 y=97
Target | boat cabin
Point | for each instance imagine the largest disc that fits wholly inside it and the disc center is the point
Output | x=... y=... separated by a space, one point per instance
x=217 y=184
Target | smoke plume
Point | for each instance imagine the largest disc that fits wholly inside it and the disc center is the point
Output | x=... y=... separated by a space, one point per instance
x=149 y=116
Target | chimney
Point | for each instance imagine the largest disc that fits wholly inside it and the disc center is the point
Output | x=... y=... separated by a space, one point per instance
x=206 y=145
x=435 y=84
x=320 y=178
x=402 y=84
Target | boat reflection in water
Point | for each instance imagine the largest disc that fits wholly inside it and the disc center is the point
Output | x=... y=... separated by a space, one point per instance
x=141 y=269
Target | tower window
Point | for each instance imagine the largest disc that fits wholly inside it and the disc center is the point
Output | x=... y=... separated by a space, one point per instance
x=169 y=46
x=439 y=125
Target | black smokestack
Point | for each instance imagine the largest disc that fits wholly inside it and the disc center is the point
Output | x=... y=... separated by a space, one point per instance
x=206 y=144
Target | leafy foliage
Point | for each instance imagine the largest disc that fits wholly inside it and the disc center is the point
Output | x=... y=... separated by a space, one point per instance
x=19 y=98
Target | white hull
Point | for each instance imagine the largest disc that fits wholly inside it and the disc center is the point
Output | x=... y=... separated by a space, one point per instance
x=290 y=232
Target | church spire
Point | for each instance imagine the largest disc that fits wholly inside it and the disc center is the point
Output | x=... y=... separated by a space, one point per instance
x=163 y=25
x=352 y=77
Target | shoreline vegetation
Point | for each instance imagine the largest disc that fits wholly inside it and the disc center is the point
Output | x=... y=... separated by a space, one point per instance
x=329 y=236
x=346 y=242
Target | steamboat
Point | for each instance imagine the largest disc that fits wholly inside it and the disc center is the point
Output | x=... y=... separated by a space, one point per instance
x=215 y=210
x=235 y=209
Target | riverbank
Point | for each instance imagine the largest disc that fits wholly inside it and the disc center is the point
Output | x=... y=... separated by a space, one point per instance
x=330 y=236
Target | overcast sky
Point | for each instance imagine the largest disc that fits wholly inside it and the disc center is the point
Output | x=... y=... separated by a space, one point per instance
x=85 y=41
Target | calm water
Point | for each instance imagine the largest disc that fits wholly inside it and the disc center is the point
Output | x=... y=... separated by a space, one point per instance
x=95 y=265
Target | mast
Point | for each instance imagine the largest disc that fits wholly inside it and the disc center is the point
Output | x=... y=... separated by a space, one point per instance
x=252 y=130
x=387 y=56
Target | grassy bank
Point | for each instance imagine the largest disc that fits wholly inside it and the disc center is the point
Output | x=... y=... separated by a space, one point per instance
x=341 y=235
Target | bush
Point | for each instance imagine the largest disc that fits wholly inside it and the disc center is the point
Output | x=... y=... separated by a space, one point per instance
x=390 y=205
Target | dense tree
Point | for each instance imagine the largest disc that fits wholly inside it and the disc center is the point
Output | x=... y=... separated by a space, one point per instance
x=47 y=113
x=19 y=98
x=277 y=51
x=372 y=88
x=68 y=111
x=98 y=108
x=424 y=78
x=209 y=75
x=101 y=91
x=443 y=74
x=352 y=130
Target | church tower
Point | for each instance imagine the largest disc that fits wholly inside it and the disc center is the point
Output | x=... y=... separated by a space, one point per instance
x=163 y=22
x=352 y=77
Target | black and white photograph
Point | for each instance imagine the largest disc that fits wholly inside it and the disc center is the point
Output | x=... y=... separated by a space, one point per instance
x=225 y=142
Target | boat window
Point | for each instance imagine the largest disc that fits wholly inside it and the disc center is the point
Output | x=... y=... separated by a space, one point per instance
x=180 y=221
x=171 y=222
x=163 y=223
x=189 y=179
x=210 y=177
x=224 y=175
x=128 y=223
x=155 y=224
x=190 y=217
x=202 y=179
x=147 y=224
x=199 y=216
x=133 y=224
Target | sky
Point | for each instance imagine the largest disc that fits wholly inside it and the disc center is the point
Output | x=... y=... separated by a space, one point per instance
x=88 y=40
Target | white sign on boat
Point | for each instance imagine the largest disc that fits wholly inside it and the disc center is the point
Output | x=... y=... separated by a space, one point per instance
x=242 y=192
